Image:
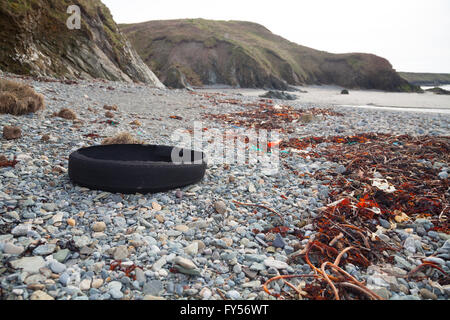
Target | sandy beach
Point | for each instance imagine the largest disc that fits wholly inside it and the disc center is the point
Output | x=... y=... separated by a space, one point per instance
x=331 y=95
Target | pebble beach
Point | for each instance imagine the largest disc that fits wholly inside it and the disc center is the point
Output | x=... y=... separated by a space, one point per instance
x=64 y=242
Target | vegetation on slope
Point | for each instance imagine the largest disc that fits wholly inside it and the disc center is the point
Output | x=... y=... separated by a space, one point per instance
x=248 y=55
x=426 y=79
x=35 y=40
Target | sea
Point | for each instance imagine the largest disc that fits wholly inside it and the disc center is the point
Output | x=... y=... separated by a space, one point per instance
x=445 y=87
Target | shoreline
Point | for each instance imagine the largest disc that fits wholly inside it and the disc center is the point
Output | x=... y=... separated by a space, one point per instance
x=330 y=95
x=203 y=223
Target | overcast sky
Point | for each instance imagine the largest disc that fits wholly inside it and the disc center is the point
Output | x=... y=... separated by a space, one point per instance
x=414 y=35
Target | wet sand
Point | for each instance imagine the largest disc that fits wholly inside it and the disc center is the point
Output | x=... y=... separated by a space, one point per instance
x=331 y=95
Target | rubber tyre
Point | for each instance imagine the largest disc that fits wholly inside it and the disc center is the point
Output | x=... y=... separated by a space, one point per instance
x=133 y=169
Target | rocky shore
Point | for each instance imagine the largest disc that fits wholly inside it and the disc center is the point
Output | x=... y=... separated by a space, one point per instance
x=59 y=241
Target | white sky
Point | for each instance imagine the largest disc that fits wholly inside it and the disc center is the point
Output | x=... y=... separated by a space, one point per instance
x=414 y=35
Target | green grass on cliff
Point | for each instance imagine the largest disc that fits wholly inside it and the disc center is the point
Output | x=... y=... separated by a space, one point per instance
x=426 y=78
x=42 y=23
x=164 y=43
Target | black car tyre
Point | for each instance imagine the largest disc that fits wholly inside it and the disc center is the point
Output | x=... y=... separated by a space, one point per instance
x=132 y=169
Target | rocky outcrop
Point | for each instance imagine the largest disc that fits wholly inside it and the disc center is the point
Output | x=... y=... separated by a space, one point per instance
x=426 y=79
x=244 y=54
x=281 y=95
x=35 y=40
x=438 y=90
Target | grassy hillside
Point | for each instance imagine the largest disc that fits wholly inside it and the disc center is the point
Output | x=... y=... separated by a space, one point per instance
x=249 y=55
x=426 y=79
x=35 y=40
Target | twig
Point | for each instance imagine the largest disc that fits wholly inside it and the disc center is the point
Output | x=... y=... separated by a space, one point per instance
x=260 y=206
x=221 y=294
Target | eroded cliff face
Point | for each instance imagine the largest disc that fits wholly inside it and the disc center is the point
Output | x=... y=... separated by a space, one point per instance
x=35 y=40
x=246 y=54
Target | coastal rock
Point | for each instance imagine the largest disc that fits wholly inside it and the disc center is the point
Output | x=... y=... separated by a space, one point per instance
x=271 y=263
x=29 y=264
x=121 y=253
x=220 y=207
x=185 y=263
x=251 y=56
x=153 y=287
x=99 y=226
x=44 y=250
x=10 y=248
x=107 y=55
x=57 y=267
x=41 y=295
x=281 y=95
x=21 y=230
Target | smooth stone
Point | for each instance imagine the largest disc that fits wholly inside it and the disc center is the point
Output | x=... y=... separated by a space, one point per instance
x=435 y=260
x=192 y=249
x=115 y=285
x=140 y=276
x=173 y=233
x=191 y=272
x=220 y=207
x=163 y=273
x=57 y=267
x=182 y=228
x=85 y=284
x=35 y=279
x=383 y=292
x=41 y=295
x=206 y=293
x=401 y=261
x=427 y=294
x=29 y=264
x=45 y=249
x=116 y=293
x=10 y=248
x=82 y=241
x=13 y=214
x=21 y=230
x=121 y=253
x=153 y=287
x=255 y=257
x=99 y=226
x=410 y=244
x=233 y=294
x=279 y=242
x=271 y=263
x=61 y=255
x=252 y=284
x=97 y=283
x=159 y=264
x=384 y=223
x=149 y=297
x=49 y=207
x=64 y=279
x=256 y=266
x=185 y=263
x=237 y=269
x=57 y=218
